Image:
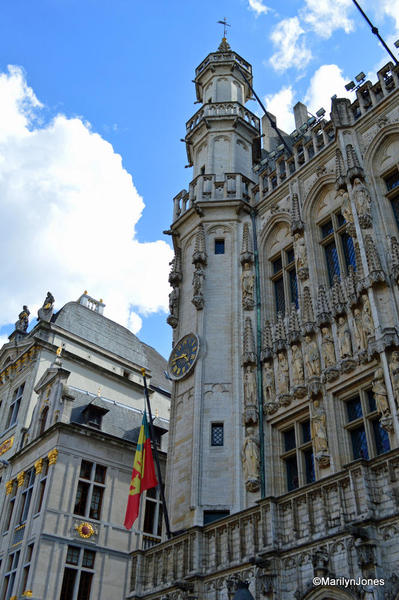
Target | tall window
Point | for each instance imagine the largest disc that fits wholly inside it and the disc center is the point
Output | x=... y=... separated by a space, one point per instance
x=152 y=527
x=10 y=507
x=26 y=496
x=367 y=437
x=217 y=434
x=284 y=280
x=297 y=455
x=338 y=246
x=14 y=406
x=25 y=574
x=392 y=185
x=89 y=495
x=78 y=574
x=42 y=486
x=10 y=575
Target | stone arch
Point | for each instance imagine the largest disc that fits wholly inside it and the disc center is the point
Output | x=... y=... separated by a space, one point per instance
x=223 y=90
x=327 y=593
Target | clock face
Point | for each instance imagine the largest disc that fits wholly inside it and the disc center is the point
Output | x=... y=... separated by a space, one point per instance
x=183 y=356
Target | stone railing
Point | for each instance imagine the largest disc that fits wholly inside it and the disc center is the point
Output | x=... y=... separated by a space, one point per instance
x=233 y=186
x=222 y=109
x=363 y=491
x=216 y=57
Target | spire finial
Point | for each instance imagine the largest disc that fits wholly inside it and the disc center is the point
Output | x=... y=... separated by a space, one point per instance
x=224 y=45
x=225 y=24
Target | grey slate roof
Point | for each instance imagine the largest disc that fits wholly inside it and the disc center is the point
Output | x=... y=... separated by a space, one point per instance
x=103 y=332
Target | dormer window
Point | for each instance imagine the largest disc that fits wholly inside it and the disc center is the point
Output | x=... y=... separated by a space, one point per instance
x=93 y=415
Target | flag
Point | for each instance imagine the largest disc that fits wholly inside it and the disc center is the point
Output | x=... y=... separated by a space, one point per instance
x=143 y=475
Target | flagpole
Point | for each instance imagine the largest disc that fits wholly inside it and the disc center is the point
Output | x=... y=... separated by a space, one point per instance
x=152 y=437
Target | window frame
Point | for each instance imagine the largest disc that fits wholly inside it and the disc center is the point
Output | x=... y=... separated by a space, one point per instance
x=367 y=418
x=392 y=195
x=298 y=451
x=336 y=236
x=91 y=485
x=15 y=405
x=78 y=568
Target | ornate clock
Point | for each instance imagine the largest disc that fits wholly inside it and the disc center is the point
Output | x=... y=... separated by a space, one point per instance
x=183 y=356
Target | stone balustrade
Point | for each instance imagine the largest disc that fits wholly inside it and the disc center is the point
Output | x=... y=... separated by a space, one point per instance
x=362 y=493
x=222 y=109
x=216 y=57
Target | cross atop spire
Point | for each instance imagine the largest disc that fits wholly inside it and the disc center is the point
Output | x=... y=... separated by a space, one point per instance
x=225 y=24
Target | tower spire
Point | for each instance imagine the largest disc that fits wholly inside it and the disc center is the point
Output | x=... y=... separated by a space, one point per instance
x=224 y=46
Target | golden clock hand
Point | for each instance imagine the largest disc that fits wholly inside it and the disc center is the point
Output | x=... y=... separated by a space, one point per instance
x=178 y=357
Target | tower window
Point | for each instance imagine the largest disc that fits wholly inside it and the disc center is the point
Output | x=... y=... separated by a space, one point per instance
x=219 y=246
x=217 y=434
x=392 y=185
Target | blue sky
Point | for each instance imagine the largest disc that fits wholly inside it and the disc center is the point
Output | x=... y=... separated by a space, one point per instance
x=91 y=115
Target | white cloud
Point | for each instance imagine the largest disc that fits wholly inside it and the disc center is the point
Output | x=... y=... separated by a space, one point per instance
x=326 y=81
x=258 y=7
x=325 y=16
x=280 y=105
x=69 y=209
x=389 y=8
x=291 y=45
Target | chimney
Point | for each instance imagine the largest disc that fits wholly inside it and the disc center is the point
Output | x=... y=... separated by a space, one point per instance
x=300 y=114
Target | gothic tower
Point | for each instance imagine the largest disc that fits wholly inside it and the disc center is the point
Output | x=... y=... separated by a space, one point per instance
x=212 y=442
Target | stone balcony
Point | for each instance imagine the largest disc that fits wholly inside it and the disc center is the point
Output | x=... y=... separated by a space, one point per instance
x=362 y=494
x=222 y=109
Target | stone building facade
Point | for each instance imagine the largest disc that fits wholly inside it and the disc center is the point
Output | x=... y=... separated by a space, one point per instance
x=283 y=458
x=72 y=400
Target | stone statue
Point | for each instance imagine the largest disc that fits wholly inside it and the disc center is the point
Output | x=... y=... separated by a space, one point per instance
x=394 y=372
x=297 y=365
x=247 y=285
x=319 y=429
x=312 y=357
x=300 y=255
x=173 y=307
x=327 y=348
x=380 y=393
x=46 y=311
x=282 y=374
x=344 y=338
x=368 y=324
x=346 y=208
x=250 y=460
x=268 y=383
x=23 y=320
x=362 y=201
x=249 y=386
x=360 y=334
x=198 y=277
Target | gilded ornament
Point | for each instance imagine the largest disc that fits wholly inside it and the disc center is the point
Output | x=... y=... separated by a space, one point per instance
x=6 y=445
x=52 y=456
x=9 y=486
x=27 y=594
x=38 y=466
x=85 y=530
x=21 y=478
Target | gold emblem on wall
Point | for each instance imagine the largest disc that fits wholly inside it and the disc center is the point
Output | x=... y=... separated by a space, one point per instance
x=85 y=530
x=6 y=445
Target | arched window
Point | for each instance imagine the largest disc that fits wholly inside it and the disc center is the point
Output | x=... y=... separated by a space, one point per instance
x=391 y=181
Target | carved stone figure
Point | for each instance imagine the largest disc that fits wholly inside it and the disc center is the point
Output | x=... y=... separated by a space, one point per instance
x=173 y=307
x=362 y=202
x=368 y=324
x=346 y=208
x=46 y=311
x=344 y=338
x=318 y=430
x=301 y=256
x=198 y=277
x=282 y=374
x=394 y=372
x=312 y=357
x=360 y=334
x=247 y=285
x=380 y=393
x=250 y=460
x=269 y=391
x=23 y=320
x=250 y=400
x=297 y=365
x=327 y=348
